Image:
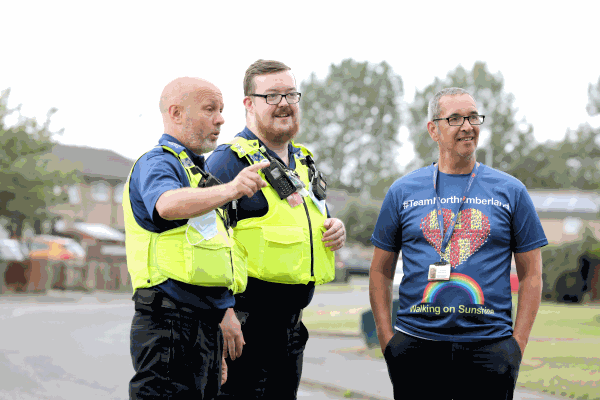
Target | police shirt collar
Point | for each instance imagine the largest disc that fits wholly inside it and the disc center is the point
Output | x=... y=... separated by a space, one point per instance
x=170 y=141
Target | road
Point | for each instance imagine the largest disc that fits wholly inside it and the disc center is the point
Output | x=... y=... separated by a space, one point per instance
x=73 y=346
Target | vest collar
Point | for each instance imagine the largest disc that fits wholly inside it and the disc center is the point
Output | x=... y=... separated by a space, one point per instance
x=249 y=135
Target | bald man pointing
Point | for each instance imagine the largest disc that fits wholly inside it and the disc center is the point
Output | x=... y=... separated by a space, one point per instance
x=184 y=264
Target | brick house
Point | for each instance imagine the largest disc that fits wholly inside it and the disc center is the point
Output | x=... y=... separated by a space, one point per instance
x=97 y=199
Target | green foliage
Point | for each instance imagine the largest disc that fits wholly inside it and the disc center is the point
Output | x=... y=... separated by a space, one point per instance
x=28 y=171
x=560 y=274
x=572 y=163
x=350 y=121
x=509 y=139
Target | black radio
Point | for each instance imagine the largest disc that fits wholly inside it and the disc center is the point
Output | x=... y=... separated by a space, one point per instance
x=317 y=180
x=277 y=177
x=319 y=186
x=208 y=180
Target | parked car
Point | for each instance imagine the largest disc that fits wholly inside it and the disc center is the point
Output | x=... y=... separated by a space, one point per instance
x=14 y=266
x=351 y=261
x=57 y=259
x=57 y=248
x=341 y=273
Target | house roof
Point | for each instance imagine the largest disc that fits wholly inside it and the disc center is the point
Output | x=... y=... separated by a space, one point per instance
x=565 y=201
x=95 y=162
x=99 y=231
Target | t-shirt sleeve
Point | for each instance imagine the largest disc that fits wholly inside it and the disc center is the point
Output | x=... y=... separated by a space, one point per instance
x=388 y=231
x=527 y=231
x=224 y=164
x=158 y=175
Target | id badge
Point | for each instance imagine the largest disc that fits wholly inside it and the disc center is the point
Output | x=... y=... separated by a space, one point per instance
x=439 y=271
x=300 y=188
x=294 y=199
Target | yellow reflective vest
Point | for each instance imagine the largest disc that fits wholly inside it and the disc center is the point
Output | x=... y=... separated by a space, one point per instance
x=181 y=253
x=285 y=244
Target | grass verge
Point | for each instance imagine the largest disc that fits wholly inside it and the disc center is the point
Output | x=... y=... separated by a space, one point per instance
x=562 y=357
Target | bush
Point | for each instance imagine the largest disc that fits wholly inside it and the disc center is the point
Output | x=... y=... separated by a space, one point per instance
x=567 y=268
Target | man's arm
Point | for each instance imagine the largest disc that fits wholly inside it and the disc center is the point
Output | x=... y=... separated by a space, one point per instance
x=381 y=277
x=191 y=202
x=529 y=271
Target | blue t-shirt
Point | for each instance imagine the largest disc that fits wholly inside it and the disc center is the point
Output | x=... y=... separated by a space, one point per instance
x=497 y=219
x=225 y=164
x=156 y=172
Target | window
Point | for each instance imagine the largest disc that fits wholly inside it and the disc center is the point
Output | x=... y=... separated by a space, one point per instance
x=118 y=194
x=74 y=196
x=572 y=226
x=100 y=191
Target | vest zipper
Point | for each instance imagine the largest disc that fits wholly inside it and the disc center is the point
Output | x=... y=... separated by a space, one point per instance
x=312 y=256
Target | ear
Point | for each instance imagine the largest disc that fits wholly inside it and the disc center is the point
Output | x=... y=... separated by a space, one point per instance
x=433 y=130
x=175 y=113
x=248 y=103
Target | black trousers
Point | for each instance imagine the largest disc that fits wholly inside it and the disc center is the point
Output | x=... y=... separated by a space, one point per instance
x=176 y=352
x=428 y=369
x=271 y=363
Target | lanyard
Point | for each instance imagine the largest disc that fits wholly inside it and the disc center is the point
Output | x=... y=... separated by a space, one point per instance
x=438 y=203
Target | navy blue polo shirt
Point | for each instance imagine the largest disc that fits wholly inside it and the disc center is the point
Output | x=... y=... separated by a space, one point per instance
x=225 y=164
x=155 y=173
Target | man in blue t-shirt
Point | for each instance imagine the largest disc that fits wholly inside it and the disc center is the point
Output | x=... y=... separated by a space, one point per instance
x=176 y=342
x=458 y=224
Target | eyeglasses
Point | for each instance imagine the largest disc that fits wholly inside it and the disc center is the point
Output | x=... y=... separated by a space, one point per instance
x=275 y=98
x=459 y=121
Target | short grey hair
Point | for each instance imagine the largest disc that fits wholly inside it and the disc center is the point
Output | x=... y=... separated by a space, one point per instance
x=434 y=109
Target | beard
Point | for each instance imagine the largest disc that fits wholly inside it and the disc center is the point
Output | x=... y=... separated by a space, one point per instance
x=276 y=132
x=199 y=143
x=206 y=146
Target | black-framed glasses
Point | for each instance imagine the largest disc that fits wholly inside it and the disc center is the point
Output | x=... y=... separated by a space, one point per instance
x=275 y=98
x=459 y=120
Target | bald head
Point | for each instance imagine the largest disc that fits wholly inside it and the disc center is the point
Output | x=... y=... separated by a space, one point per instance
x=180 y=91
x=192 y=109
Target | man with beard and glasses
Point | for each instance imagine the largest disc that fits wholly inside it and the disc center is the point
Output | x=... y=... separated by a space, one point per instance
x=288 y=233
x=458 y=224
x=184 y=264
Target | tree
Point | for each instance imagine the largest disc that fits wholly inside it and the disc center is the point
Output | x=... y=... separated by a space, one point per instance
x=350 y=122
x=509 y=139
x=28 y=172
x=572 y=163
x=593 y=106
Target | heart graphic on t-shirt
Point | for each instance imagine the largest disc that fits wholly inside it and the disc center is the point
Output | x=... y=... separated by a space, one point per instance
x=471 y=231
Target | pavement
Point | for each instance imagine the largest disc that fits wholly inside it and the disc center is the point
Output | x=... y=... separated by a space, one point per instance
x=334 y=365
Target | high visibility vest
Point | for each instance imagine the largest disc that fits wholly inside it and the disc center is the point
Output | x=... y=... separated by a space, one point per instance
x=180 y=253
x=285 y=244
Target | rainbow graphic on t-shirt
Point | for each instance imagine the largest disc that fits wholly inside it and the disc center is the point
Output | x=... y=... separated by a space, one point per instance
x=460 y=281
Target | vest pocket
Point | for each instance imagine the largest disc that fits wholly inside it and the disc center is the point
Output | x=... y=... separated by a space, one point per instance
x=207 y=262
x=282 y=254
